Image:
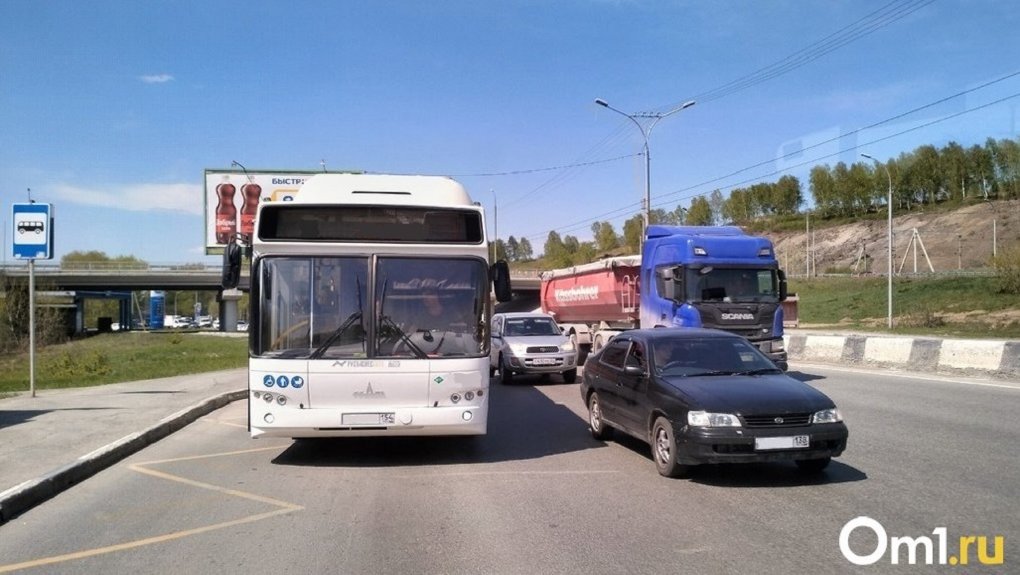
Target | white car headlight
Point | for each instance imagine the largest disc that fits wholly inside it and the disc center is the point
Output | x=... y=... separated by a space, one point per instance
x=569 y=346
x=706 y=419
x=827 y=416
x=518 y=349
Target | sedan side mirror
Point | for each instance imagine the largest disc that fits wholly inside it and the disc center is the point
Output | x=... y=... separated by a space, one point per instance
x=633 y=370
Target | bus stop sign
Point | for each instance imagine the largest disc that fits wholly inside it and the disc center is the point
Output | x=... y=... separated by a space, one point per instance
x=33 y=231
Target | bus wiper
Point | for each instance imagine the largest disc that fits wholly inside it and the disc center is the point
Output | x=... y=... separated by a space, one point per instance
x=335 y=335
x=404 y=337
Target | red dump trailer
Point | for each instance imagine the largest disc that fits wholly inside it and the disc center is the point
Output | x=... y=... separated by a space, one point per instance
x=593 y=302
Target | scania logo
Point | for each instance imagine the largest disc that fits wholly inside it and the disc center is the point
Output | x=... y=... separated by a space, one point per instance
x=353 y=363
x=369 y=393
x=731 y=316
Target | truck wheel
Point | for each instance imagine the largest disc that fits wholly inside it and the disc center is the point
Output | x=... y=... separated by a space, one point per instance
x=664 y=450
x=598 y=427
x=570 y=376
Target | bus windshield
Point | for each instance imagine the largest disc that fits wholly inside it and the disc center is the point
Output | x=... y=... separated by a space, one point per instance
x=334 y=308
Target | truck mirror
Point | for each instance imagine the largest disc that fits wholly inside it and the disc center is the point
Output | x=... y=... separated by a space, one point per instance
x=782 y=285
x=500 y=272
x=231 y=266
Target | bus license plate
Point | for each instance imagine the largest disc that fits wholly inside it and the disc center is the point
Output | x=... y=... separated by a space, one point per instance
x=791 y=442
x=368 y=419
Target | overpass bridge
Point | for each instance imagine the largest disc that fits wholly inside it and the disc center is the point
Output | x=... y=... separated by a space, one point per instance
x=114 y=276
x=83 y=280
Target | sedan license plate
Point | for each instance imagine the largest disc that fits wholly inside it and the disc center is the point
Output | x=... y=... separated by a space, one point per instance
x=790 y=442
x=367 y=419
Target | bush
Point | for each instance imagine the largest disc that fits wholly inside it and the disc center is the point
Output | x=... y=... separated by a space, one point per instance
x=1007 y=270
x=85 y=365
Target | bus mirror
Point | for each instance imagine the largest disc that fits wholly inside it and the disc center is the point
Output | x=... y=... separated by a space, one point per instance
x=782 y=285
x=231 y=266
x=500 y=272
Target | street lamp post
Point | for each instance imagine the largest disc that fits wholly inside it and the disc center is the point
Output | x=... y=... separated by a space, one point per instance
x=646 y=132
x=889 y=233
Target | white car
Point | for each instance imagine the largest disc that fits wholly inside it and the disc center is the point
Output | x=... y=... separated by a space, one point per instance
x=529 y=342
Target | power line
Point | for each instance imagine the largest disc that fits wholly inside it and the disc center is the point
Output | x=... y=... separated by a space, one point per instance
x=631 y=207
x=549 y=169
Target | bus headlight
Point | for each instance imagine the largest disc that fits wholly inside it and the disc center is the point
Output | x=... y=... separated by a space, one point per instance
x=469 y=395
x=467 y=415
x=281 y=400
x=455 y=398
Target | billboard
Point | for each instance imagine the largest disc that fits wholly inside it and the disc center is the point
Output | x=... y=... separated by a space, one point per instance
x=232 y=196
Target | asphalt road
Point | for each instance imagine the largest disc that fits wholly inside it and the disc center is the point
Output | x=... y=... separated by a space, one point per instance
x=538 y=495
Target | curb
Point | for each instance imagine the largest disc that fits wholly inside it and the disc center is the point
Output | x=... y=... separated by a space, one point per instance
x=23 y=497
x=990 y=358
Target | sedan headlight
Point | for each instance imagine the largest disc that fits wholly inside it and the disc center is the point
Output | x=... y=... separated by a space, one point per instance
x=706 y=419
x=827 y=416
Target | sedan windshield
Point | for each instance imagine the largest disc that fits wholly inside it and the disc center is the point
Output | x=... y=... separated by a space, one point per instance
x=705 y=357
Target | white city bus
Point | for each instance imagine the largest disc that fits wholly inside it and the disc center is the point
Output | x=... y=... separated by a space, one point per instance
x=370 y=306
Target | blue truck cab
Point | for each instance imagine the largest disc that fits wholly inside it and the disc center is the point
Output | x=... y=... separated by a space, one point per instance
x=714 y=277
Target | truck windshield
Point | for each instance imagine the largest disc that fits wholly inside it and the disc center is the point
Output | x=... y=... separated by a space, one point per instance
x=732 y=285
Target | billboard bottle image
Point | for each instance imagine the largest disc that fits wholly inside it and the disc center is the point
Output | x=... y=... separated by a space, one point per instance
x=226 y=213
x=250 y=193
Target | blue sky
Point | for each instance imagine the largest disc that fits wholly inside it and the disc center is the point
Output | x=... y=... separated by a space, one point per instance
x=111 y=110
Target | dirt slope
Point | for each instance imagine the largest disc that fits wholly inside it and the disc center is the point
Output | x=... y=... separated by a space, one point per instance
x=960 y=239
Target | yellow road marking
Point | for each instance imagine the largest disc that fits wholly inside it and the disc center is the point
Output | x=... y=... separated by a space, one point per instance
x=284 y=507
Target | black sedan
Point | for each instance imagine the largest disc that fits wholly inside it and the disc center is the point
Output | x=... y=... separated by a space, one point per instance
x=707 y=396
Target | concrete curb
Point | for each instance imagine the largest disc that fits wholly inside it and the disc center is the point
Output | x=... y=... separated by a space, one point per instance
x=23 y=497
x=991 y=358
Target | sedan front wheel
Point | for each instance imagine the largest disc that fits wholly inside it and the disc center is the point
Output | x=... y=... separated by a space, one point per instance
x=599 y=429
x=664 y=450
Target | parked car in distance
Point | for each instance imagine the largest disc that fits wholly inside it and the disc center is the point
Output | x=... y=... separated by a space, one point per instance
x=700 y=396
x=530 y=343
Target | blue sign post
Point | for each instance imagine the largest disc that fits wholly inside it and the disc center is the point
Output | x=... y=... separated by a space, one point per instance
x=33 y=231
x=33 y=240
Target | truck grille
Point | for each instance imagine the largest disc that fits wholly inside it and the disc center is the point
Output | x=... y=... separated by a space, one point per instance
x=786 y=420
x=543 y=349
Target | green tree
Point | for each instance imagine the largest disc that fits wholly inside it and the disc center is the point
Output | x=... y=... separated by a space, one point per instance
x=605 y=236
x=555 y=252
x=512 y=249
x=716 y=201
x=786 y=195
x=524 y=251
x=700 y=213
x=632 y=230
x=953 y=160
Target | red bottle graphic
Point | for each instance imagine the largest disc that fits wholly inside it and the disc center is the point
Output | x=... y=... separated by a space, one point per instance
x=226 y=213
x=250 y=192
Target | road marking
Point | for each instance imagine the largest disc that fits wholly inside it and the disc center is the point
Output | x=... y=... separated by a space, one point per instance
x=284 y=507
x=907 y=375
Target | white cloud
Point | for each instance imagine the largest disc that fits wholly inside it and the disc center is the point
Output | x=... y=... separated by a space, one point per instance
x=186 y=198
x=156 y=78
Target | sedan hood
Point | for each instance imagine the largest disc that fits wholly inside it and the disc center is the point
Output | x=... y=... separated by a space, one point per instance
x=750 y=394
